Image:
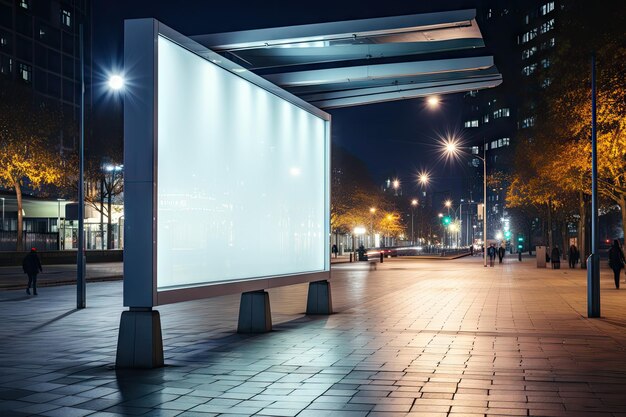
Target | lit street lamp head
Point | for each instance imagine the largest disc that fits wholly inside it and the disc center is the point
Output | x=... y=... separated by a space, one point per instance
x=414 y=202
x=116 y=82
x=433 y=101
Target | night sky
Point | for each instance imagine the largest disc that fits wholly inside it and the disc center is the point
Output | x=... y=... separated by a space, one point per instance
x=394 y=139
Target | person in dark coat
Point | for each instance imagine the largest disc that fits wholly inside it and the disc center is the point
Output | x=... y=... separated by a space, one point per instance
x=335 y=250
x=555 y=257
x=616 y=260
x=501 y=253
x=32 y=267
x=572 y=256
x=491 y=251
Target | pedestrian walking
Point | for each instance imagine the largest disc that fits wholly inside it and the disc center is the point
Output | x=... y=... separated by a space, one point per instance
x=492 y=254
x=335 y=250
x=501 y=253
x=555 y=257
x=616 y=261
x=572 y=256
x=31 y=267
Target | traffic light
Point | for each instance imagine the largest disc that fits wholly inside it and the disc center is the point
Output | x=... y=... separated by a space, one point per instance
x=507 y=234
x=520 y=242
x=446 y=220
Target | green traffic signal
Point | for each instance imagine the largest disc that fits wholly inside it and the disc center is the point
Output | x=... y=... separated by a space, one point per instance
x=520 y=239
x=446 y=220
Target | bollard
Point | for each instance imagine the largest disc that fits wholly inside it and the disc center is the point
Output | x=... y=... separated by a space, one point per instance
x=519 y=256
x=381 y=257
x=350 y=256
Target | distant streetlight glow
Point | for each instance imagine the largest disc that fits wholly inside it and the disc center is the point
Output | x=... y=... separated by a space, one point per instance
x=116 y=82
x=372 y=210
x=448 y=203
x=396 y=183
x=423 y=178
x=414 y=202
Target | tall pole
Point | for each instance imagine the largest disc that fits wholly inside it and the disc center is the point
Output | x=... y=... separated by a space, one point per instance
x=59 y=224
x=412 y=233
x=484 y=205
x=2 y=213
x=80 y=263
x=593 y=262
x=461 y=224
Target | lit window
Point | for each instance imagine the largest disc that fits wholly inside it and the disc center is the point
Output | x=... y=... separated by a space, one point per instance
x=3 y=41
x=545 y=63
x=486 y=118
x=494 y=144
x=528 y=122
x=42 y=32
x=546 y=82
x=547 y=8
x=6 y=65
x=474 y=150
x=547 y=26
x=528 y=36
x=471 y=123
x=66 y=18
x=25 y=4
x=529 y=69
x=25 y=72
x=501 y=113
x=527 y=53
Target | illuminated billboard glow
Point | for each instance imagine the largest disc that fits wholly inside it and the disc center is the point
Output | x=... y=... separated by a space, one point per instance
x=241 y=177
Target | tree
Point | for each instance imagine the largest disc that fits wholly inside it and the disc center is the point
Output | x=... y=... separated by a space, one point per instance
x=27 y=158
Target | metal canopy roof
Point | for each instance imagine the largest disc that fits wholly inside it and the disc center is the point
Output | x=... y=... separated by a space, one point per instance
x=347 y=63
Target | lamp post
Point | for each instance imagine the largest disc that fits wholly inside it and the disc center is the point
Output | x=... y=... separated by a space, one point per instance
x=372 y=212
x=80 y=260
x=451 y=148
x=59 y=221
x=413 y=205
x=2 y=213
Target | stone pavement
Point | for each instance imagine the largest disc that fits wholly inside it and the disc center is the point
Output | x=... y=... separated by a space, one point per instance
x=414 y=337
x=12 y=277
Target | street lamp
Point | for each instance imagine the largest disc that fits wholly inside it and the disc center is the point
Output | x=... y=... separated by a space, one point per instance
x=2 y=213
x=433 y=102
x=413 y=205
x=452 y=149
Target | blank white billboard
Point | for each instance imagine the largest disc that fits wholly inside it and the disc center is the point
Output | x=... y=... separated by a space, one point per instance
x=241 y=177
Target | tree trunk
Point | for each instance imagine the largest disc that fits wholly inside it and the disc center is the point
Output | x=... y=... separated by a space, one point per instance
x=102 y=213
x=550 y=224
x=564 y=236
x=109 y=241
x=20 y=224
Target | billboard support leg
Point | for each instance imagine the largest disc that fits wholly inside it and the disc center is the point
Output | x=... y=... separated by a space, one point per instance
x=319 y=300
x=140 y=343
x=254 y=312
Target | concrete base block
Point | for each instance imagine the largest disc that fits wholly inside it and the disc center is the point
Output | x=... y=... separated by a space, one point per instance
x=319 y=300
x=140 y=343
x=254 y=313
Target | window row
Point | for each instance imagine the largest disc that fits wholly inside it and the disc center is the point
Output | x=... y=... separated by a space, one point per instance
x=499 y=143
x=527 y=53
x=528 y=122
x=547 y=26
x=471 y=123
x=66 y=15
x=529 y=69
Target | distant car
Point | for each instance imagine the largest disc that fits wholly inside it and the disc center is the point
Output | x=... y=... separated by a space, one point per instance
x=389 y=252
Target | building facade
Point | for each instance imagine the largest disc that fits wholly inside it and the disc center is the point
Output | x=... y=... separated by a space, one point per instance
x=39 y=47
x=520 y=34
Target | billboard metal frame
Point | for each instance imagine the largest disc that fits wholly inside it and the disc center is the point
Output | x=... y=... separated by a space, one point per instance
x=141 y=185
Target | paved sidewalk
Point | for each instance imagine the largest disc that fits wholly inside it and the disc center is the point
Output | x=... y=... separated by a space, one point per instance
x=414 y=337
x=12 y=277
